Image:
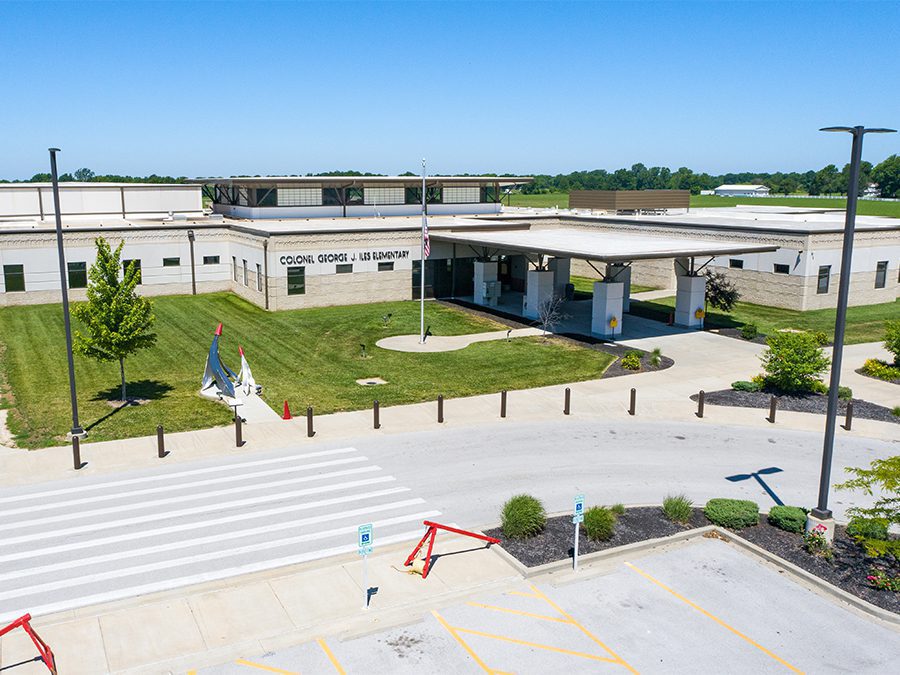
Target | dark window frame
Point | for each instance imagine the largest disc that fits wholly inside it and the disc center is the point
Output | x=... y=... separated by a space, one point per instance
x=79 y=281
x=386 y=266
x=299 y=287
x=781 y=268
x=343 y=268
x=881 y=270
x=11 y=273
x=171 y=262
x=736 y=263
x=211 y=260
x=823 y=282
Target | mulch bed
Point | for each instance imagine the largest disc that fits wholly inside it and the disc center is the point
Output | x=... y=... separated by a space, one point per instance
x=809 y=403
x=847 y=569
x=557 y=539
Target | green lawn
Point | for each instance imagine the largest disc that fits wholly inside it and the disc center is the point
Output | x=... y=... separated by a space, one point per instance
x=585 y=285
x=864 y=324
x=866 y=207
x=309 y=357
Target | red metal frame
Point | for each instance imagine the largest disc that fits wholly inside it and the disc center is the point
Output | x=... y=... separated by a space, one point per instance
x=46 y=654
x=431 y=535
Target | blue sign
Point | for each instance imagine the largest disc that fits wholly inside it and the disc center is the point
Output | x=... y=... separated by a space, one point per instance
x=579 y=509
x=365 y=539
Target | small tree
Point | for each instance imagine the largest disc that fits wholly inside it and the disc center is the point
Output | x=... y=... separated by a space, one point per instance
x=882 y=475
x=550 y=313
x=720 y=291
x=117 y=320
x=892 y=339
x=794 y=362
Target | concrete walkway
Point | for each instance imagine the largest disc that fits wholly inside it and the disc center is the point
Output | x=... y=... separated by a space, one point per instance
x=450 y=343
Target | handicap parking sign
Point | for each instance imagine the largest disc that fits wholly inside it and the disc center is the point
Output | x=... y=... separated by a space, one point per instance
x=365 y=539
x=579 y=509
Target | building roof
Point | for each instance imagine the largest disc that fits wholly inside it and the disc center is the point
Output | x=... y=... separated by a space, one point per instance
x=69 y=184
x=600 y=245
x=355 y=180
x=742 y=187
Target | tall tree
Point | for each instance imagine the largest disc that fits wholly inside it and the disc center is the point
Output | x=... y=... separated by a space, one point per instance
x=84 y=175
x=118 y=321
x=720 y=291
x=887 y=175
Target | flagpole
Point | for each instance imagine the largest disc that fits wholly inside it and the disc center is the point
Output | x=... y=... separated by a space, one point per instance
x=422 y=266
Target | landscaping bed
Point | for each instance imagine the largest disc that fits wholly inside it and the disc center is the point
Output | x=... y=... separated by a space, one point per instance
x=808 y=403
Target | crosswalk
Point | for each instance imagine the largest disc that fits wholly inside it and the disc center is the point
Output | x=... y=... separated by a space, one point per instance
x=84 y=541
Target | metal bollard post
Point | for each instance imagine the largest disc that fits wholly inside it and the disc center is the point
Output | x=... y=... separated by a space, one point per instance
x=375 y=413
x=76 y=452
x=160 y=442
x=238 y=438
x=503 y=403
x=440 y=408
x=309 y=422
x=848 y=420
x=701 y=400
x=773 y=404
x=633 y=404
x=567 y=405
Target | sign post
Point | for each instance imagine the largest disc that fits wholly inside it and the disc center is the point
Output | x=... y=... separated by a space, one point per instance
x=578 y=518
x=365 y=540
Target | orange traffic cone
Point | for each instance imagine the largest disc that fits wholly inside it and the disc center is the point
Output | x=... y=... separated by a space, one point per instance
x=286 y=415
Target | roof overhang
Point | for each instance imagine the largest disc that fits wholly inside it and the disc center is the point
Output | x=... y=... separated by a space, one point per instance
x=412 y=181
x=601 y=246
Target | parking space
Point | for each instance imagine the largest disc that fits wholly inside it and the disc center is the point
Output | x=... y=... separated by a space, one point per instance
x=701 y=607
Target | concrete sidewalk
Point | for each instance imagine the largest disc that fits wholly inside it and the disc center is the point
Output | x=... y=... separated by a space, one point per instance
x=449 y=343
x=702 y=361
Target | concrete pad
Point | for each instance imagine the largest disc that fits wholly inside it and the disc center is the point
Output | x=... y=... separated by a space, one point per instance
x=394 y=583
x=77 y=646
x=240 y=613
x=461 y=562
x=310 y=597
x=131 y=643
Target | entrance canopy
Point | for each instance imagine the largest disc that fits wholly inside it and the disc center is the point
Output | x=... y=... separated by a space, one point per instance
x=594 y=244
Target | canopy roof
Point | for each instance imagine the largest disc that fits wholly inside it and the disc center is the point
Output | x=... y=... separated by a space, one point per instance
x=360 y=180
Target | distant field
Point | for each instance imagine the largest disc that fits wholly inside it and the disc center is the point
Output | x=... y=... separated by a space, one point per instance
x=865 y=208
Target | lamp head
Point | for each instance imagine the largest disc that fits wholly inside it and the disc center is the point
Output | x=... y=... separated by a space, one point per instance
x=190 y=235
x=853 y=130
x=53 y=149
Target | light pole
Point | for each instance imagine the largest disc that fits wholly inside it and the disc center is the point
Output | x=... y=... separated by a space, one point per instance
x=77 y=432
x=822 y=514
x=193 y=269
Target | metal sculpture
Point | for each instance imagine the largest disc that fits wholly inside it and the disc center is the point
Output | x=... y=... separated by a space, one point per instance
x=221 y=382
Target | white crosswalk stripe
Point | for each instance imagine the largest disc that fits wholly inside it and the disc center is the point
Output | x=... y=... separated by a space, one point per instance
x=94 y=539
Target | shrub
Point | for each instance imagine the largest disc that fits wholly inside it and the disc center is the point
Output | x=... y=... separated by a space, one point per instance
x=883 y=580
x=599 y=523
x=892 y=339
x=881 y=480
x=523 y=516
x=788 y=518
x=632 y=361
x=732 y=513
x=821 y=337
x=655 y=357
x=749 y=331
x=618 y=509
x=881 y=370
x=868 y=528
x=895 y=411
x=817 y=544
x=794 y=362
x=678 y=508
x=845 y=393
x=743 y=385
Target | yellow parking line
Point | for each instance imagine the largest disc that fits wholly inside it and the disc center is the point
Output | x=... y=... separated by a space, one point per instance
x=714 y=618
x=452 y=631
x=536 y=645
x=616 y=657
x=339 y=669
x=519 y=612
x=262 y=666
x=523 y=594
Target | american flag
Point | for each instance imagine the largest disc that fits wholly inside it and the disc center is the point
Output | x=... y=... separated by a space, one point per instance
x=426 y=244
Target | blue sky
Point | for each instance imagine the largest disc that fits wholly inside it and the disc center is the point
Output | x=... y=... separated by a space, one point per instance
x=203 y=89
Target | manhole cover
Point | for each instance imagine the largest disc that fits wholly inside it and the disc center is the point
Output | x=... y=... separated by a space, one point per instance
x=371 y=381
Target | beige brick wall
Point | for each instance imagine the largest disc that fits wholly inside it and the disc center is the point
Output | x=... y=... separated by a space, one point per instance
x=343 y=289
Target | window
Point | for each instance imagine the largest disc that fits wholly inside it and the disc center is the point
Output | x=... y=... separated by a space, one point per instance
x=461 y=195
x=736 y=263
x=234 y=273
x=171 y=262
x=385 y=267
x=296 y=280
x=782 y=269
x=259 y=277
x=77 y=275
x=246 y=278
x=331 y=197
x=14 y=278
x=354 y=195
x=266 y=197
x=344 y=269
x=299 y=196
x=881 y=274
x=137 y=266
x=413 y=195
x=824 y=278
x=384 y=195
x=210 y=260
x=489 y=194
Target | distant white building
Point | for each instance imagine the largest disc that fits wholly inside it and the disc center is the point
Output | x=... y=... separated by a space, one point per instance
x=742 y=191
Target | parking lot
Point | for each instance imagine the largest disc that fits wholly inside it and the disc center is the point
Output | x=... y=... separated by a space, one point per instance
x=702 y=607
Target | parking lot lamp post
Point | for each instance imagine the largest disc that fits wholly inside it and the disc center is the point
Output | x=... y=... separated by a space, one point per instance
x=193 y=268
x=77 y=432
x=822 y=514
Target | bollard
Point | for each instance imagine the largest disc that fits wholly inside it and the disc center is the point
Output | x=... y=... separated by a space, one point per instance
x=76 y=452
x=440 y=408
x=160 y=442
x=700 y=401
x=567 y=405
x=375 y=412
x=631 y=408
x=773 y=404
x=309 y=422
x=503 y=403
x=238 y=438
x=848 y=420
